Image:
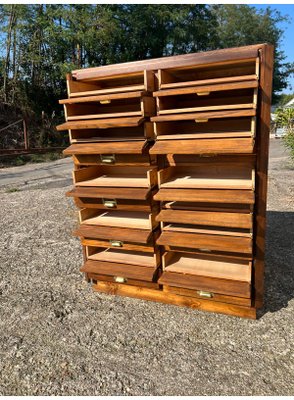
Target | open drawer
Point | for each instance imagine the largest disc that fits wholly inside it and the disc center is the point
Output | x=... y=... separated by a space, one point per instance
x=210 y=196
x=231 y=218
x=112 y=176
x=122 y=199
x=234 y=71
x=130 y=104
x=123 y=256
x=222 y=275
x=219 y=175
x=219 y=97
x=83 y=86
x=118 y=219
x=206 y=238
x=106 y=129
x=119 y=244
x=114 y=153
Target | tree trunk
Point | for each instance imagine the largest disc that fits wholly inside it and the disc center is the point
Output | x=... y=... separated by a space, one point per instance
x=8 y=47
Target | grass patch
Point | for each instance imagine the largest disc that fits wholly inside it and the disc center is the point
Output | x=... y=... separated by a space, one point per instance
x=12 y=190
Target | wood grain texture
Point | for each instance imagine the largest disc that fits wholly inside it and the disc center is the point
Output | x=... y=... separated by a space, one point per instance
x=202 y=58
x=114 y=233
x=101 y=124
x=203 y=195
x=91 y=99
x=133 y=282
x=262 y=146
x=208 y=218
x=205 y=115
x=204 y=241
x=204 y=146
x=131 y=147
x=171 y=298
x=109 y=193
x=116 y=269
x=223 y=286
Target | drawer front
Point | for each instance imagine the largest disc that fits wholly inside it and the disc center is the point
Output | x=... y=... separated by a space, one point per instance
x=114 y=159
x=116 y=204
x=201 y=294
x=122 y=272
x=204 y=284
x=125 y=281
x=206 y=242
x=119 y=244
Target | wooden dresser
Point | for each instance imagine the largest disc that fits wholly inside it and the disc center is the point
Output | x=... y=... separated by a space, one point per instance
x=170 y=176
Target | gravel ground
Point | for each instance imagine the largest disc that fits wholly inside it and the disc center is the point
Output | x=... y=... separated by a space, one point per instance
x=60 y=338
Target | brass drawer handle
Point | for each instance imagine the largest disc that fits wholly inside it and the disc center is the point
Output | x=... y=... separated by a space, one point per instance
x=202 y=93
x=107 y=158
x=105 y=101
x=116 y=243
x=207 y=295
x=120 y=279
x=201 y=120
x=109 y=203
x=206 y=250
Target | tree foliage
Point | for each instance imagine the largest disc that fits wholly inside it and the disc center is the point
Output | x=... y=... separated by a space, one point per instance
x=40 y=43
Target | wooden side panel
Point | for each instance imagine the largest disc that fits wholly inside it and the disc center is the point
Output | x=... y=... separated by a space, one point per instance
x=262 y=147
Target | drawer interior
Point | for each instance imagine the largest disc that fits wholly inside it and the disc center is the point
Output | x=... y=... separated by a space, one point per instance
x=224 y=100
x=96 y=109
x=122 y=219
x=234 y=71
x=116 y=135
x=216 y=267
x=113 y=176
x=112 y=84
x=215 y=176
x=122 y=256
x=216 y=128
x=219 y=274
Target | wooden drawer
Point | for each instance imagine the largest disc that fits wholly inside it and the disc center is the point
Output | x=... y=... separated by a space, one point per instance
x=210 y=196
x=107 y=130
x=204 y=76
x=111 y=153
x=127 y=282
x=241 y=127
x=119 y=83
x=123 y=256
x=200 y=294
x=232 y=96
x=119 y=244
x=231 y=219
x=122 y=272
x=206 y=238
x=118 y=219
x=112 y=176
x=216 y=175
x=222 y=275
x=132 y=104
x=122 y=199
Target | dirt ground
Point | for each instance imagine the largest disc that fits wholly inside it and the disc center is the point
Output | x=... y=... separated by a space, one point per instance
x=57 y=337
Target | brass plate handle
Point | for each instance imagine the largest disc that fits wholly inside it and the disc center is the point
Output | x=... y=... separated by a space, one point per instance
x=201 y=120
x=105 y=101
x=120 y=279
x=207 y=295
x=203 y=93
x=116 y=243
x=107 y=158
x=109 y=203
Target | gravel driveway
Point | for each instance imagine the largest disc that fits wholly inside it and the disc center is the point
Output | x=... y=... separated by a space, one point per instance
x=60 y=338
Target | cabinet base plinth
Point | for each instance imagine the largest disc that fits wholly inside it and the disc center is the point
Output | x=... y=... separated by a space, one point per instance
x=169 y=298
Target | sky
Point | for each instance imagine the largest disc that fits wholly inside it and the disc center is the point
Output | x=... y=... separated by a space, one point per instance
x=287 y=44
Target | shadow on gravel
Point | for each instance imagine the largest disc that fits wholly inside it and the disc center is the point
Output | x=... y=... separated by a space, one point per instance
x=279 y=267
